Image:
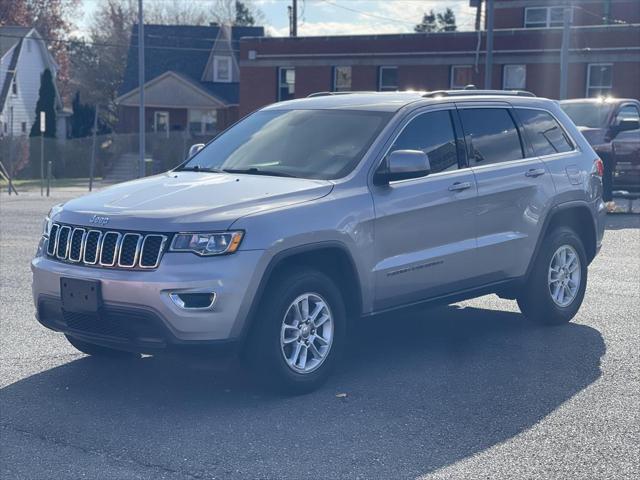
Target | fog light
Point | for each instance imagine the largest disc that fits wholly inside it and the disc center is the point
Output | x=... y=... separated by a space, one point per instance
x=193 y=300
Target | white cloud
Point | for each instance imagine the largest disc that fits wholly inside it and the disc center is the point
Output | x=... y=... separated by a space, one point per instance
x=372 y=16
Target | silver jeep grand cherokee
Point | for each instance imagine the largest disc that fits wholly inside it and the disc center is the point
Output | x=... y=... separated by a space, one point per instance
x=309 y=214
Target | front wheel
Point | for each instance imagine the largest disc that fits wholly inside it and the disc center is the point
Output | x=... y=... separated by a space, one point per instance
x=298 y=331
x=555 y=288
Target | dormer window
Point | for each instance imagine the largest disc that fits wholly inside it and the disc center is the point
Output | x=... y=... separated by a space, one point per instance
x=222 y=69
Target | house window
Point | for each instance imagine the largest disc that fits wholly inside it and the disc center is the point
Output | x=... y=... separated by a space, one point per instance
x=286 y=83
x=388 y=79
x=341 y=79
x=161 y=122
x=514 y=77
x=222 y=69
x=599 y=79
x=203 y=122
x=14 y=84
x=543 y=17
x=23 y=127
x=461 y=76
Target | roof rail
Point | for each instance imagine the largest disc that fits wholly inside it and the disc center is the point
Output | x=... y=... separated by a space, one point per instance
x=325 y=94
x=467 y=92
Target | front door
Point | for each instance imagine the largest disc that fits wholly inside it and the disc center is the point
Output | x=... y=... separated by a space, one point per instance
x=424 y=227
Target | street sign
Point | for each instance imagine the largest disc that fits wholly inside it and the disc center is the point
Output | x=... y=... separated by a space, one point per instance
x=43 y=125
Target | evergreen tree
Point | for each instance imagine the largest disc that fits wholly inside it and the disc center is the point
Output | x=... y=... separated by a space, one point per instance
x=428 y=23
x=244 y=16
x=82 y=118
x=447 y=21
x=46 y=103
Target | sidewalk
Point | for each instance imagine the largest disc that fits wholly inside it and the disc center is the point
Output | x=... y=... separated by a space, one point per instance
x=626 y=203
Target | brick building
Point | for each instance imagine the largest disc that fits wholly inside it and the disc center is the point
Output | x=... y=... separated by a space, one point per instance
x=604 y=56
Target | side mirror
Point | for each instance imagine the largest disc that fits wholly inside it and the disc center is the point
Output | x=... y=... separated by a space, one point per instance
x=402 y=165
x=627 y=124
x=195 y=148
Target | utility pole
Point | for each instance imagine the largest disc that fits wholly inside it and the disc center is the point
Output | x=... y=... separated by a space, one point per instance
x=93 y=148
x=478 y=4
x=10 y=172
x=43 y=127
x=293 y=30
x=564 y=52
x=488 y=68
x=141 y=122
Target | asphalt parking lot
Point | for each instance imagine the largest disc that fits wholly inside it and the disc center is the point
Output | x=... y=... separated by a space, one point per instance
x=471 y=390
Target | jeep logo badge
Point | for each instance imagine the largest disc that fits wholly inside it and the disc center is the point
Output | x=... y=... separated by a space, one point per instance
x=97 y=220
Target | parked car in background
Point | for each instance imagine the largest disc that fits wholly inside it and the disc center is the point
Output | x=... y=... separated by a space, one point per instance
x=612 y=127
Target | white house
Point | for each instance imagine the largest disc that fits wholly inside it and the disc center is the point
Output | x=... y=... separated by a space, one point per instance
x=23 y=58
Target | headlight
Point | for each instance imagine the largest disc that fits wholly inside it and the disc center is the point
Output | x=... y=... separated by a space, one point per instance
x=48 y=220
x=205 y=244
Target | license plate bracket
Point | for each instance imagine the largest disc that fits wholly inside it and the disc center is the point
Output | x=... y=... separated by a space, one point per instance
x=79 y=295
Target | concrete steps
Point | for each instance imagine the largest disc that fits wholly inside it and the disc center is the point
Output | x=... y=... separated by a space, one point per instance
x=124 y=168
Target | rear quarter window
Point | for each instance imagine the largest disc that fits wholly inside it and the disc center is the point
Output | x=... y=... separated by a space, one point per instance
x=544 y=132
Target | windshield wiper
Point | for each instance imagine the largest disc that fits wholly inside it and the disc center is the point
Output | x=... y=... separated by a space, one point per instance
x=198 y=168
x=257 y=171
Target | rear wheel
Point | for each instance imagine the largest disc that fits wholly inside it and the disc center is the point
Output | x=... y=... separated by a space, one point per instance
x=555 y=288
x=298 y=332
x=98 y=350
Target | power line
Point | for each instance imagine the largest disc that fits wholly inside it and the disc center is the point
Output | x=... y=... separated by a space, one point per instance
x=117 y=45
x=611 y=19
x=393 y=19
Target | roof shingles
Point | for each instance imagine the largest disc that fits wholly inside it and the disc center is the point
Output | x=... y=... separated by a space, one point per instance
x=184 y=49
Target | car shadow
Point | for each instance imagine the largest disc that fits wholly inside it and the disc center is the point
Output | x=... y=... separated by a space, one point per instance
x=417 y=390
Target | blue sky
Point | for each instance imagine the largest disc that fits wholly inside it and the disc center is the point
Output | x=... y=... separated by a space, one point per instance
x=339 y=17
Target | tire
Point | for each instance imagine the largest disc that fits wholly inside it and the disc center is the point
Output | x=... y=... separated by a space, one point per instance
x=541 y=299
x=272 y=346
x=98 y=350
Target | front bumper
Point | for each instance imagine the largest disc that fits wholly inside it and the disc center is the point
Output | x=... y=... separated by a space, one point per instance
x=137 y=310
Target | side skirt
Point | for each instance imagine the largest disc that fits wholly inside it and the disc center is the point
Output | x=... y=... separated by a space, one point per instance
x=503 y=288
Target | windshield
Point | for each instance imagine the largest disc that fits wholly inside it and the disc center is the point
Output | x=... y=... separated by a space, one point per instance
x=320 y=144
x=588 y=114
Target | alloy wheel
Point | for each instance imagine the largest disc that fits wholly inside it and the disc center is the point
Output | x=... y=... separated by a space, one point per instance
x=307 y=332
x=564 y=276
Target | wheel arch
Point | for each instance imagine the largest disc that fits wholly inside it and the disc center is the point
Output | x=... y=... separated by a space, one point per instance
x=330 y=257
x=575 y=215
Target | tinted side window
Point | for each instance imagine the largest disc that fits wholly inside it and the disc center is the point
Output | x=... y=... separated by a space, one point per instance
x=543 y=131
x=491 y=134
x=433 y=134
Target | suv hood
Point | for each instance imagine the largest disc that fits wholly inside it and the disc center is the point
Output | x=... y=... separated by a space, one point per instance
x=183 y=201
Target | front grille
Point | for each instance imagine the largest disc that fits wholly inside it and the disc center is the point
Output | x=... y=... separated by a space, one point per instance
x=105 y=248
x=117 y=326
x=109 y=249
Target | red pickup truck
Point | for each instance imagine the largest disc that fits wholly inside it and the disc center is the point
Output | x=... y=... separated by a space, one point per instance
x=612 y=127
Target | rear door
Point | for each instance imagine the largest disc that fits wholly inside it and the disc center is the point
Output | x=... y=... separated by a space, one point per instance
x=424 y=227
x=514 y=188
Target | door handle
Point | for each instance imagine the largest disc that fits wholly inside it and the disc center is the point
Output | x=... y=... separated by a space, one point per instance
x=535 y=172
x=459 y=186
